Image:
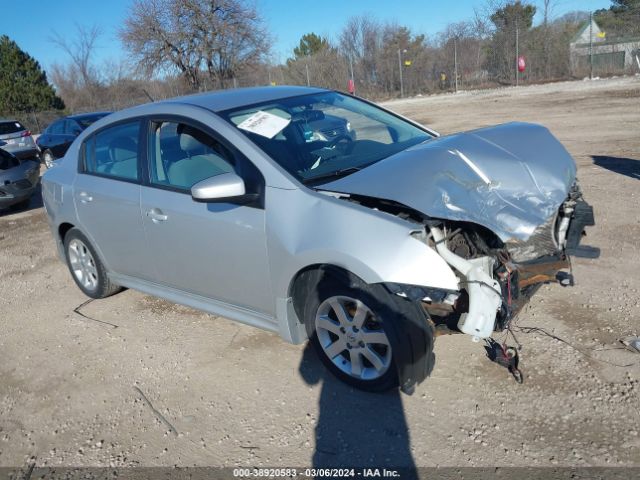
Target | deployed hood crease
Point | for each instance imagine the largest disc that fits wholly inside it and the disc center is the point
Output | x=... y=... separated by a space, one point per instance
x=511 y=178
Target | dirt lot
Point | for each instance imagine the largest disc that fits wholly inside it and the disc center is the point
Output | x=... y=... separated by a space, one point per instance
x=239 y=396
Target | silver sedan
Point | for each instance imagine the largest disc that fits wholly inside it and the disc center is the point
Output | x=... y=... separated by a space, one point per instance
x=320 y=216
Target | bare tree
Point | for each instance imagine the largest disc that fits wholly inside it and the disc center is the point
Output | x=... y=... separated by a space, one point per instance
x=81 y=51
x=195 y=37
x=360 y=42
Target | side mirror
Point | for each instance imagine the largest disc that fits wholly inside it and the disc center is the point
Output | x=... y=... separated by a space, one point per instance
x=223 y=187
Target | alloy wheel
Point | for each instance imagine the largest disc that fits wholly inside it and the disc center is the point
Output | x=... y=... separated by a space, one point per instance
x=48 y=159
x=353 y=338
x=83 y=264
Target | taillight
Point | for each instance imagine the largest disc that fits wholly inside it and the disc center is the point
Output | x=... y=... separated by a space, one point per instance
x=26 y=133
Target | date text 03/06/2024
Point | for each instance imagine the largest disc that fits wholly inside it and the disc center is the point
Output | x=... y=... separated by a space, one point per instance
x=315 y=472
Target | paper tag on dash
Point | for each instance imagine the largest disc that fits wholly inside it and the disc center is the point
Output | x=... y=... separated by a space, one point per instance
x=264 y=123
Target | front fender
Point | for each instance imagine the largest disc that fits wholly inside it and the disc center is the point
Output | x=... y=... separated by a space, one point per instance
x=376 y=246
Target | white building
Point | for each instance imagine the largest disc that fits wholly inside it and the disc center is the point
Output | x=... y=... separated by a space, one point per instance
x=613 y=55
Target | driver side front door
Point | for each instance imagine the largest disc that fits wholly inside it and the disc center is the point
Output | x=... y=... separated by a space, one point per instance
x=214 y=250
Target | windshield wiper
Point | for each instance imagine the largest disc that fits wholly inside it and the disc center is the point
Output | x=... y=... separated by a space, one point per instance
x=332 y=175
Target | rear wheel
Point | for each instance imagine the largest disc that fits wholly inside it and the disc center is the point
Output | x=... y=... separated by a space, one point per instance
x=86 y=268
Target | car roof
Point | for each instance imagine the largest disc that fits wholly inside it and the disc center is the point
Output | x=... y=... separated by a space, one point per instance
x=79 y=116
x=220 y=100
x=9 y=120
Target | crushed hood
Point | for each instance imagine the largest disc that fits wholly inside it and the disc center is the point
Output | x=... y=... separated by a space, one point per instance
x=510 y=178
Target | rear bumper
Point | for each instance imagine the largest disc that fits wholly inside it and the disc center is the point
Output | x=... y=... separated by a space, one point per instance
x=23 y=152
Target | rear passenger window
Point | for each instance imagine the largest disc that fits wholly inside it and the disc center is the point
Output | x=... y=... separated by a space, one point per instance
x=183 y=155
x=56 y=128
x=114 y=151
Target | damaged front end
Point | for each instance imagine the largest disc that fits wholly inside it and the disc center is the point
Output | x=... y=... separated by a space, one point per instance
x=497 y=278
x=500 y=205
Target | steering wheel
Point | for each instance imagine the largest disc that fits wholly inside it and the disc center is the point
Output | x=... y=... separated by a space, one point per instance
x=333 y=142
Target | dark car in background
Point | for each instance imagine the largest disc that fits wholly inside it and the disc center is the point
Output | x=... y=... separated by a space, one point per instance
x=58 y=136
x=16 y=139
x=18 y=179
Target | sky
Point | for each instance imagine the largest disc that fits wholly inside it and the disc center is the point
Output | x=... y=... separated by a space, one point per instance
x=288 y=20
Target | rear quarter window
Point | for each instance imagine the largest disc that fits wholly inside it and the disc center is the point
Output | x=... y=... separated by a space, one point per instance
x=113 y=151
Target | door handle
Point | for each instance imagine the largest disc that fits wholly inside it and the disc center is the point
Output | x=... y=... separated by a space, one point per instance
x=85 y=197
x=156 y=215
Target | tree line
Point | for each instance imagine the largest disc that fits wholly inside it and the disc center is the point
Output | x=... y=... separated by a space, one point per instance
x=177 y=47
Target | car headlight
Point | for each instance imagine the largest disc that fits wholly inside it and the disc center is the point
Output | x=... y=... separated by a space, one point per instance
x=348 y=126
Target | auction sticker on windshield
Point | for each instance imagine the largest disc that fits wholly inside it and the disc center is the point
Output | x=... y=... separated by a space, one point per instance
x=264 y=123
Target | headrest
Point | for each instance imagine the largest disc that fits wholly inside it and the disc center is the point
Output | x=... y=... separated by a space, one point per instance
x=188 y=143
x=122 y=148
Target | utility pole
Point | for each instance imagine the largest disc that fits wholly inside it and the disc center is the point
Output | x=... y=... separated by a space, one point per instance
x=400 y=67
x=455 y=62
x=306 y=65
x=517 y=51
x=591 y=45
x=351 y=68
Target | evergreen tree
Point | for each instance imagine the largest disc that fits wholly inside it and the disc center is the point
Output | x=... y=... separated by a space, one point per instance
x=310 y=44
x=23 y=83
x=622 y=19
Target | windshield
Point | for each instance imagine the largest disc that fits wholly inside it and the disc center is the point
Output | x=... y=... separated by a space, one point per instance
x=320 y=137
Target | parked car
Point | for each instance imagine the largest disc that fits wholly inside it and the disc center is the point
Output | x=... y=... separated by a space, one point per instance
x=18 y=179
x=16 y=139
x=56 y=138
x=362 y=243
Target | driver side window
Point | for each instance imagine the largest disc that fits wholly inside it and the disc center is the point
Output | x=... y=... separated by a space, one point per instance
x=182 y=155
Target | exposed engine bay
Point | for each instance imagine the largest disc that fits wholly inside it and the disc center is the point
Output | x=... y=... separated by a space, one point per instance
x=496 y=278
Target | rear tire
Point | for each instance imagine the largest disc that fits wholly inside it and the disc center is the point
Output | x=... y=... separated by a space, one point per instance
x=85 y=266
x=362 y=356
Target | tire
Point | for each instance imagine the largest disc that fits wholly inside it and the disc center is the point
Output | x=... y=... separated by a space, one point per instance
x=85 y=266
x=48 y=158
x=382 y=322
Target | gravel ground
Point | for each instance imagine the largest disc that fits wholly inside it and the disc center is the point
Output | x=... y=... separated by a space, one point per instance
x=237 y=396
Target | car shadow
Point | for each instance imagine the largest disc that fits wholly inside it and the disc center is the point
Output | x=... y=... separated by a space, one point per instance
x=354 y=428
x=624 y=166
x=34 y=202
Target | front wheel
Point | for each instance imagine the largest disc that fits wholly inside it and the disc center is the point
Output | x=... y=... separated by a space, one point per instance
x=351 y=326
x=48 y=158
x=86 y=268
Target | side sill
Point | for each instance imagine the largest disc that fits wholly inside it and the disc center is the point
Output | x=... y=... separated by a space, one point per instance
x=214 y=307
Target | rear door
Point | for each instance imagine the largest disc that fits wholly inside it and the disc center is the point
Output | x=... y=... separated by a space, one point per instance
x=107 y=197
x=69 y=134
x=52 y=139
x=215 y=250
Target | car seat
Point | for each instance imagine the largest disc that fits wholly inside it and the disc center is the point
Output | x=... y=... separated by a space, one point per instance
x=123 y=154
x=200 y=162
